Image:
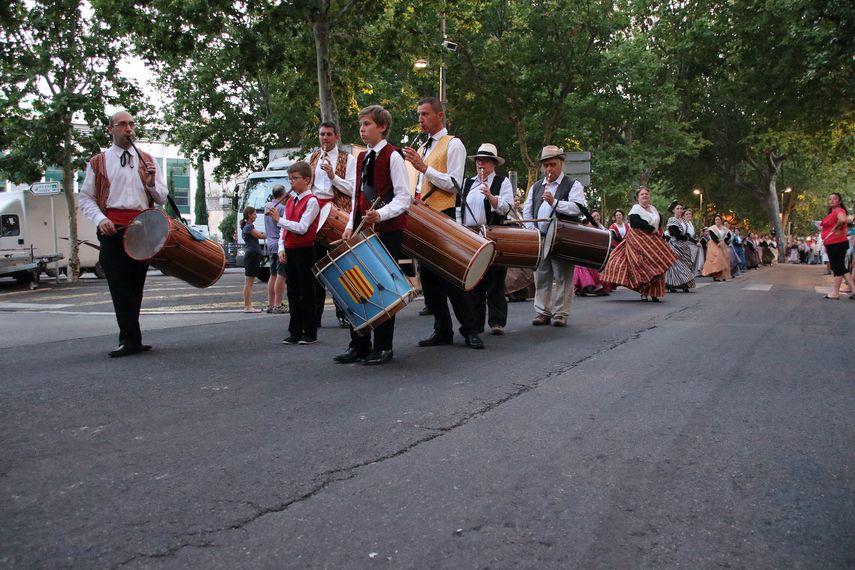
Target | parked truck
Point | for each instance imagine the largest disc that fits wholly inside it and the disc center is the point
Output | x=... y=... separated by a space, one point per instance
x=27 y=240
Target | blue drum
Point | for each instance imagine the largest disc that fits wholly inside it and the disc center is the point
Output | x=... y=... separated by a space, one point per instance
x=365 y=281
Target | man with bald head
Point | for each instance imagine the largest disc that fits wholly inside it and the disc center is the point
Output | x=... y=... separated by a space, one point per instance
x=121 y=182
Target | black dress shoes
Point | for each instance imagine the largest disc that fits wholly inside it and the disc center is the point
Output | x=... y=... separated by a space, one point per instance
x=436 y=339
x=425 y=312
x=378 y=357
x=473 y=341
x=350 y=356
x=342 y=323
x=128 y=349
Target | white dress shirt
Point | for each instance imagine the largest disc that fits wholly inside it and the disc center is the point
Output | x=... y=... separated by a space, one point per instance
x=566 y=207
x=455 y=161
x=400 y=186
x=127 y=191
x=322 y=186
x=475 y=200
x=302 y=226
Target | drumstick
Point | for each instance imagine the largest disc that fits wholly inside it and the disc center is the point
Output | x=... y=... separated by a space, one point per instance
x=361 y=222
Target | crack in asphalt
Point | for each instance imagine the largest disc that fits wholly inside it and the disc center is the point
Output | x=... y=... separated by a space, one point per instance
x=349 y=472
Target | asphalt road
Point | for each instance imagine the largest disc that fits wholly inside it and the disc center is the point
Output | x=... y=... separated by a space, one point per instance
x=715 y=429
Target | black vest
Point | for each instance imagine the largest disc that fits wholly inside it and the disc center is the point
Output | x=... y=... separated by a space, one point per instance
x=561 y=194
x=493 y=219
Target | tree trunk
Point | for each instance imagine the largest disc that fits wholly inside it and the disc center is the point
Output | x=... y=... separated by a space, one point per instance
x=321 y=31
x=73 y=270
x=772 y=209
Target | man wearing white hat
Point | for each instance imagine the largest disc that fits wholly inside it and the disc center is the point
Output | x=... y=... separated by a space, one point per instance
x=555 y=195
x=487 y=198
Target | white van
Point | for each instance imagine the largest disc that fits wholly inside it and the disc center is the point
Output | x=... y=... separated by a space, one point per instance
x=26 y=232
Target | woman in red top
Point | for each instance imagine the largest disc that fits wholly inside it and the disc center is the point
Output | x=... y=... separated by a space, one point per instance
x=833 y=232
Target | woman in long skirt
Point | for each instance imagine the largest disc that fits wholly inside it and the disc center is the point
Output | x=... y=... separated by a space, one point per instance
x=640 y=261
x=765 y=251
x=717 y=264
x=681 y=275
x=694 y=242
x=752 y=252
x=587 y=281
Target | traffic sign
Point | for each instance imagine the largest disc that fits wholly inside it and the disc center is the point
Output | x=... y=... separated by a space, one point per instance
x=45 y=188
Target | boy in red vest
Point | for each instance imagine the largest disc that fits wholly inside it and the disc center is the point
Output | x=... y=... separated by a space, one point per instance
x=297 y=242
x=380 y=173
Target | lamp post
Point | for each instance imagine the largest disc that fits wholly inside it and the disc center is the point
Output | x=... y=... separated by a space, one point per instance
x=787 y=191
x=697 y=192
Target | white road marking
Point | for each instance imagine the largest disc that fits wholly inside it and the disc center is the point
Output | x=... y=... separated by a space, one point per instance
x=31 y=306
x=701 y=285
x=758 y=287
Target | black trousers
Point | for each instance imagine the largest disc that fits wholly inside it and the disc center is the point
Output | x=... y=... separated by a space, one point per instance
x=488 y=299
x=300 y=282
x=438 y=292
x=126 y=279
x=321 y=291
x=383 y=334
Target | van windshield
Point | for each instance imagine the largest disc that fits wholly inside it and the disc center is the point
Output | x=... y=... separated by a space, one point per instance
x=259 y=191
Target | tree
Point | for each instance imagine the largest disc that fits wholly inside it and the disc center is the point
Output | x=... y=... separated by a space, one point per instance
x=245 y=77
x=763 y=81
x=228 y=227
x=200 y=201
x=56 y=66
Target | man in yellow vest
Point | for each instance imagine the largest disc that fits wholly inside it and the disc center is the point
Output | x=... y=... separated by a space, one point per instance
x=440 y=159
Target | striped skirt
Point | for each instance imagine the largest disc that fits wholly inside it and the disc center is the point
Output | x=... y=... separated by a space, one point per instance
x=682 y=273
x=639 y=263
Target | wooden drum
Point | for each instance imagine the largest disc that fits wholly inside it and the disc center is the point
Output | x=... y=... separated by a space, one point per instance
x=578 y=244
x=517 y=247
x=457 y=253
x=168 y=245
x=332 y=221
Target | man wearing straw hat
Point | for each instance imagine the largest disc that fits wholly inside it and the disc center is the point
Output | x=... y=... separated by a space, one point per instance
x=119 y=184
x=555 y=195
x=487 y=198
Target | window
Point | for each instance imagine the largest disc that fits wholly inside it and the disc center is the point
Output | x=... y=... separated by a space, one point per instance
x=53 y=174
x=9 y=226
x=178 y=182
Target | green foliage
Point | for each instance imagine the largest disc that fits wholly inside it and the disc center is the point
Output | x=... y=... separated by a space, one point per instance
x=739 y=98
x=228 y=227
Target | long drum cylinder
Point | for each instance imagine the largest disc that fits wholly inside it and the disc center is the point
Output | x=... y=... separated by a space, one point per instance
x=455 y=252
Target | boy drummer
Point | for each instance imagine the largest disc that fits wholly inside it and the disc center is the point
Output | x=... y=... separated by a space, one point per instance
x=380 y=173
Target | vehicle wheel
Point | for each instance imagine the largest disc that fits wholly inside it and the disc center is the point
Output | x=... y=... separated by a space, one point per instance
x=99 y=271
x=23 y=277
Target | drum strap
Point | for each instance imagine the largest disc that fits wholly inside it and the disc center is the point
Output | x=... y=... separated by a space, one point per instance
x=587 y=214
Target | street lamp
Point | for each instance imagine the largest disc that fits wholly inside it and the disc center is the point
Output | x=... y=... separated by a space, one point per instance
x=787 y=191
x=420 y=64
x=697 y=192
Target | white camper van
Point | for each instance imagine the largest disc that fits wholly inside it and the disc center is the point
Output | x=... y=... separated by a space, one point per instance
x=26 y=236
